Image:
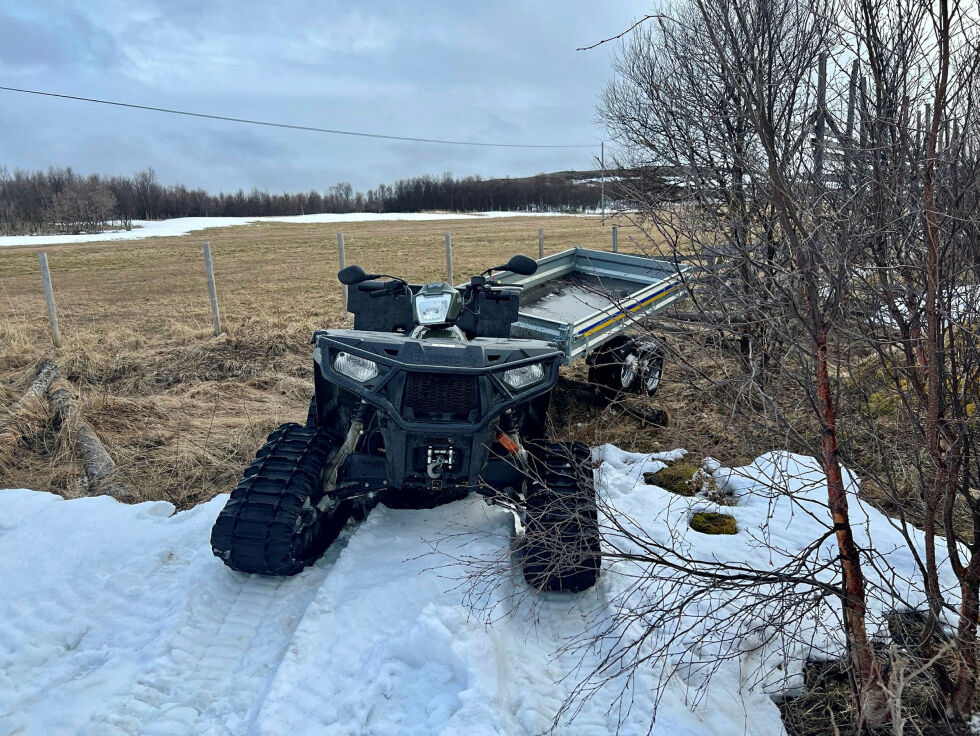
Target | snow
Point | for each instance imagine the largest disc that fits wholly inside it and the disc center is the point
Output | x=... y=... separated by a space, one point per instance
x=118 y=619
x=184 y=225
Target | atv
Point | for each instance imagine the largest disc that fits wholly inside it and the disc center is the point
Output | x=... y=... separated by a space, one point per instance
x=426 y=400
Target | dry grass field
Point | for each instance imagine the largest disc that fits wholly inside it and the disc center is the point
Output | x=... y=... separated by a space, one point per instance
x=182 y=411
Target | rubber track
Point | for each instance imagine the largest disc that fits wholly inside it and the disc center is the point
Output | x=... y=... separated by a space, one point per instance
x=562 y=531
x=263 y=528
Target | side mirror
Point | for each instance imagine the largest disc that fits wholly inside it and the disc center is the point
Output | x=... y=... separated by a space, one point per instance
x=520 y=264
x=352 y=275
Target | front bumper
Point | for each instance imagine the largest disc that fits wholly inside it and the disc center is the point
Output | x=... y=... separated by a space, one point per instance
x=440 y=402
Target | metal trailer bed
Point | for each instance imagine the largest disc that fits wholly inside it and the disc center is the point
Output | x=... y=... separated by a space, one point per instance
x=580 y=298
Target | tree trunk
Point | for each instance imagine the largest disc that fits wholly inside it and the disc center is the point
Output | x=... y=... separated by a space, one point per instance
x=12 y=429
x=966 y=648
x=872 y=697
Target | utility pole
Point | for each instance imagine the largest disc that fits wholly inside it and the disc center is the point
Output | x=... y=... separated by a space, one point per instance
x=821 y=121
x=602 y=180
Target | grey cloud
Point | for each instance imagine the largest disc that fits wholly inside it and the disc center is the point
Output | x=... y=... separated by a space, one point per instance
x=27 y=44
x=502 y=71
x=58 y=40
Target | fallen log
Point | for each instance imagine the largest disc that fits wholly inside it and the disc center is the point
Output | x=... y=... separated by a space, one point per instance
x=101 y=474
x=30 y=406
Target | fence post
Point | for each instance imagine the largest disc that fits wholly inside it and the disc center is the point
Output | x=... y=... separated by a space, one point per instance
x=212 y=292
x=49 y=298
x=615 y=229
x=342 y=260
x=540 y=242
x=449 y=258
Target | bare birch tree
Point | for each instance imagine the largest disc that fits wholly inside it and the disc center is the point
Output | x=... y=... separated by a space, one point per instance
x=825 y=158
x=916 y=167
x=730 y=95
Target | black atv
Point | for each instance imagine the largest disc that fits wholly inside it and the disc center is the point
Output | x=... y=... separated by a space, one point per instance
x=426 y=400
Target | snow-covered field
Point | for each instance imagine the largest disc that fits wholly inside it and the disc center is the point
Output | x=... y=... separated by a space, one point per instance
x=184 y=225
x=118 y=620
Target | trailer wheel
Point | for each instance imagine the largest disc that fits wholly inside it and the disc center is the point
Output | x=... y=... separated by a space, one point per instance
x=651 y=364
x=615 y=367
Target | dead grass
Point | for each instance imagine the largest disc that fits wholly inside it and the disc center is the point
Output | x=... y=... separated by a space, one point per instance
x=182 y=411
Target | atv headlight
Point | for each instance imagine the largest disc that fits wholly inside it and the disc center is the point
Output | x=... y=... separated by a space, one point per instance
x=526 y=375
x=360 y=369
x=433 y=310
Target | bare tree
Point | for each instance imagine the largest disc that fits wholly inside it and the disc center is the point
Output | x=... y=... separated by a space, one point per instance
x=826 y=168
x=729 y=94
x=82 y=206
x=917 y=167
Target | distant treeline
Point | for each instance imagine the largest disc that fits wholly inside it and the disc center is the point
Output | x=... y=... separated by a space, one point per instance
x=60 y=200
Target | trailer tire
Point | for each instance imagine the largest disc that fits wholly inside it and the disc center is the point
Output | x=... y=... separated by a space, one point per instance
x=561 y=520
x=651 y=354
x=628 y=365
x=614 y=367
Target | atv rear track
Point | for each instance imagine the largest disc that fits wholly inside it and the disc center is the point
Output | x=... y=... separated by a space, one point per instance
x=561 y=522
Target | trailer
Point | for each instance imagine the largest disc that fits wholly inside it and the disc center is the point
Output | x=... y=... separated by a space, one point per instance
x=586 y=302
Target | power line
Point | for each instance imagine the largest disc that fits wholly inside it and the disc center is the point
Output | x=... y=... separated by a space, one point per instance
x=307 y=128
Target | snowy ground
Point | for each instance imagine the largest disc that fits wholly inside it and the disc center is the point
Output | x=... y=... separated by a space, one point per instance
x=184 y=225
x=118 y=620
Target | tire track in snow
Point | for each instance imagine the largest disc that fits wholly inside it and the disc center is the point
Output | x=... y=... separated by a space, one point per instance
x=67 y=617
x=375 y=653
x=211 y=669
x=388 y=645
x=73 y=623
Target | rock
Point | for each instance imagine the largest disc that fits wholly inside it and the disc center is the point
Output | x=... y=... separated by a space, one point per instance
x=708 y=522
x=683 y=479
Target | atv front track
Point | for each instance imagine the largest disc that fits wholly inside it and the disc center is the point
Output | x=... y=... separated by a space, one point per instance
x=271 y=525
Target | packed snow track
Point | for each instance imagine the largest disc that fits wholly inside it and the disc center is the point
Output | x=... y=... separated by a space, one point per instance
x=119 y=620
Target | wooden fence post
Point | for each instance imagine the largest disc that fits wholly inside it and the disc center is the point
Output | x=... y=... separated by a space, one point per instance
x=615 y=229
x=540 y=242
x=449 y=258
x=212 y=292
x=342 y=260
x=49 y=298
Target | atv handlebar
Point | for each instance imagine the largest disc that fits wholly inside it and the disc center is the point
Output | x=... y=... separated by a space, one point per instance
x=355 y=275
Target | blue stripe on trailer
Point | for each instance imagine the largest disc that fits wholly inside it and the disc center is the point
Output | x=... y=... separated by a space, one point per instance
x=586 y=331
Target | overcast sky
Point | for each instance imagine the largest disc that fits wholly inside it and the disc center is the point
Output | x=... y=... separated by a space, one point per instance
x=504 y=71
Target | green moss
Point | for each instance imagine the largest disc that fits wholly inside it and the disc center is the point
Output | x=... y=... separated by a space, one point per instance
x=686 y=479
x=679 y=479
x=707 y=522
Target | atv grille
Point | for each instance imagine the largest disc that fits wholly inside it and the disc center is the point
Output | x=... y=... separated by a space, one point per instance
x=433 y=393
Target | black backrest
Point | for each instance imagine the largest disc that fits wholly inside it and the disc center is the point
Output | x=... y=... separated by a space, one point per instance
x=490 y=315
x=387 y=313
